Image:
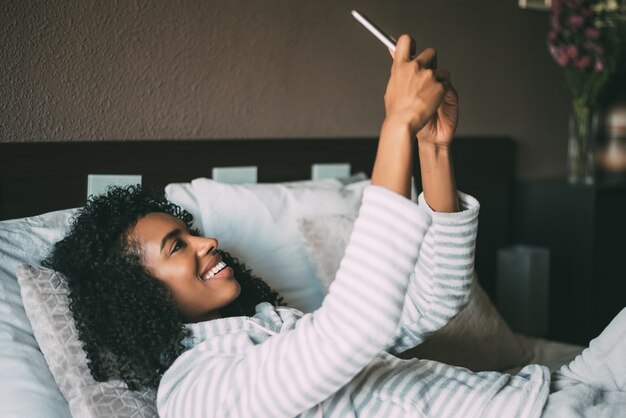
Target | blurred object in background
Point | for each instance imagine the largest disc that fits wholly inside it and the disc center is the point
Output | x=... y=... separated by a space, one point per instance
x=523 y=286
x=585 y=40
x=612 y=122
x=612 y=155
x=541 y=5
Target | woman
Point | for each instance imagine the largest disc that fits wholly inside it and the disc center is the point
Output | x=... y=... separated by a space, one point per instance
x=158 y=305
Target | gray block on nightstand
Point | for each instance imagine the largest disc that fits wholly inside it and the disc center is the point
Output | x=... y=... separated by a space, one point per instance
x=523 y=286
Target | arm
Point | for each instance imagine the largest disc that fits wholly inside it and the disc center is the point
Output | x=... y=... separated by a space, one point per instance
x=441 y=283
x=435 y=153
x=438 y=181
x=415 y=91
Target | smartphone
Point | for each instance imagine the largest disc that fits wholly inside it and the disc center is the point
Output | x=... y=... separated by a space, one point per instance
x=388 y=40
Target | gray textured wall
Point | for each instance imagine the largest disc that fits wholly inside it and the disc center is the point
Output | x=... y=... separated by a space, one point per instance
x=131 y=69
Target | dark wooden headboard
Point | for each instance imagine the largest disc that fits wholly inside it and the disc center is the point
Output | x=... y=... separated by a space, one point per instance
x=40 y=177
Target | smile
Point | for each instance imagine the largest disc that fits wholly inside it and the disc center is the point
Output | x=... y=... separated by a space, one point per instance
x=211 y=273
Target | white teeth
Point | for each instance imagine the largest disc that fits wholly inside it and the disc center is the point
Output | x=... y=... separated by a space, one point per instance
x=218 y=267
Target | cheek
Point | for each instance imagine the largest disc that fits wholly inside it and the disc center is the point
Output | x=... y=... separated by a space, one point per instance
x=183 y=284
x=177 y=270
x=179 y=276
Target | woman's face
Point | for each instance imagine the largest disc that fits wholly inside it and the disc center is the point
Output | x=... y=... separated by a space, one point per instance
x=189 y=265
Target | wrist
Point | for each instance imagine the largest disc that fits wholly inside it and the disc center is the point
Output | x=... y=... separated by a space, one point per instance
x=399 y=122
x=431 y=148
x=394 y=157
x=438 y=181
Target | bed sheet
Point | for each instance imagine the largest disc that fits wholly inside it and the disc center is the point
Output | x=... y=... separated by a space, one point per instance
x=549 y=353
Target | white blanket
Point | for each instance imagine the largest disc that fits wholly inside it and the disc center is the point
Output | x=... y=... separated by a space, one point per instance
x=594 y=384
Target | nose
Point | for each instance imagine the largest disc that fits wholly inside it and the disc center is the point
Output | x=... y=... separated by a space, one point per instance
x=205 y=245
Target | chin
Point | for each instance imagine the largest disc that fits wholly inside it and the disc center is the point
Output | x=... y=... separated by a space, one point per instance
x=236 y=292
x=232 y=293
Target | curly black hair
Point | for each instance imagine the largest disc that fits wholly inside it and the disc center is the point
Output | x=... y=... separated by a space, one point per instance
x=126 y=318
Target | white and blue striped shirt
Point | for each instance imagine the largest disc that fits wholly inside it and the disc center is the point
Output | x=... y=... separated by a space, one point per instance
x=406 y=272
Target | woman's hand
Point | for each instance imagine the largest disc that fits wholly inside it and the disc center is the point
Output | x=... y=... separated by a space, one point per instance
x=439 y=129
x=419 y=101
x=416 y=91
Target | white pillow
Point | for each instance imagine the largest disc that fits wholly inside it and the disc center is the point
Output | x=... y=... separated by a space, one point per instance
x=478 y=338
x=257 y=223
x=27 y=388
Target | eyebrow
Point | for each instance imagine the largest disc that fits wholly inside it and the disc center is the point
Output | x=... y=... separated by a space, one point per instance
x=172 y=234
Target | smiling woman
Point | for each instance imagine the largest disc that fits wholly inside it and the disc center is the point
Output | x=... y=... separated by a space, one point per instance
x=136 y=271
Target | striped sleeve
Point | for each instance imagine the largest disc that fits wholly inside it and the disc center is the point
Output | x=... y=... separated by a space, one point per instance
x=440 y=285
x=295 y=370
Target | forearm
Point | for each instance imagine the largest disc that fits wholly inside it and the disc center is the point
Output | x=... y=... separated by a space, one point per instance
x=438 y=180
x=394 y=157
x=442 y=278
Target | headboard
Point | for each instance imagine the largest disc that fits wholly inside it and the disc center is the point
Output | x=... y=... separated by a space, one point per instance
x=40 y=177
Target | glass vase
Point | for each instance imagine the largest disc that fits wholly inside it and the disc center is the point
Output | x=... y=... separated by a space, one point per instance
x=583 y=128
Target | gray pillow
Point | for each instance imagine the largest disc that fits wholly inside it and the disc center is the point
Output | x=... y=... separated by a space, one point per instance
x=477 y=338
x=44 y=294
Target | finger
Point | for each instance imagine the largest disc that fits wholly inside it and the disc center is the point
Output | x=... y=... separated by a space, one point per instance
x=453 y=94
x=391 y=52
x=403 y=48
x=442 y=75
x=427 y=58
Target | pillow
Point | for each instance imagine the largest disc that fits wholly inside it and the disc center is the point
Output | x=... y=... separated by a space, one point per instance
x=478 y=338
x=325 y=240
x=27 y=388
x=257 y=223
x=44 y=293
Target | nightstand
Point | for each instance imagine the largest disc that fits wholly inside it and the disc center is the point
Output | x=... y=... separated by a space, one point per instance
x=584 y=227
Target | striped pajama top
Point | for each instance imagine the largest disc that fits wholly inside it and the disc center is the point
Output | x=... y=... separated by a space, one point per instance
x=406 y=272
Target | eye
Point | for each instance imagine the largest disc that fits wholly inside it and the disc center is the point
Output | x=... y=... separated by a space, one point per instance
x=177 y=246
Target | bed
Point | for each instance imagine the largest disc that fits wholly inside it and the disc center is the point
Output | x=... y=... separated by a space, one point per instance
x=40 y=183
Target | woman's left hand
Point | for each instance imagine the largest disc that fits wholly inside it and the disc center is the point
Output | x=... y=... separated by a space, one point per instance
x=439 y=130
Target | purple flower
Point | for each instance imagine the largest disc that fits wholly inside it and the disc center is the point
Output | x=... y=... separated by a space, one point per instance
x=583 y=63
x=594 y=47
x=560 y=56
x=592 y=33
x=553 y=35
x=576 y=21
x=576 y=41
x=571 y=51
x=599 y=66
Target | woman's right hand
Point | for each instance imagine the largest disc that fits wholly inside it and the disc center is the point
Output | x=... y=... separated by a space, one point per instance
x=416 y=88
